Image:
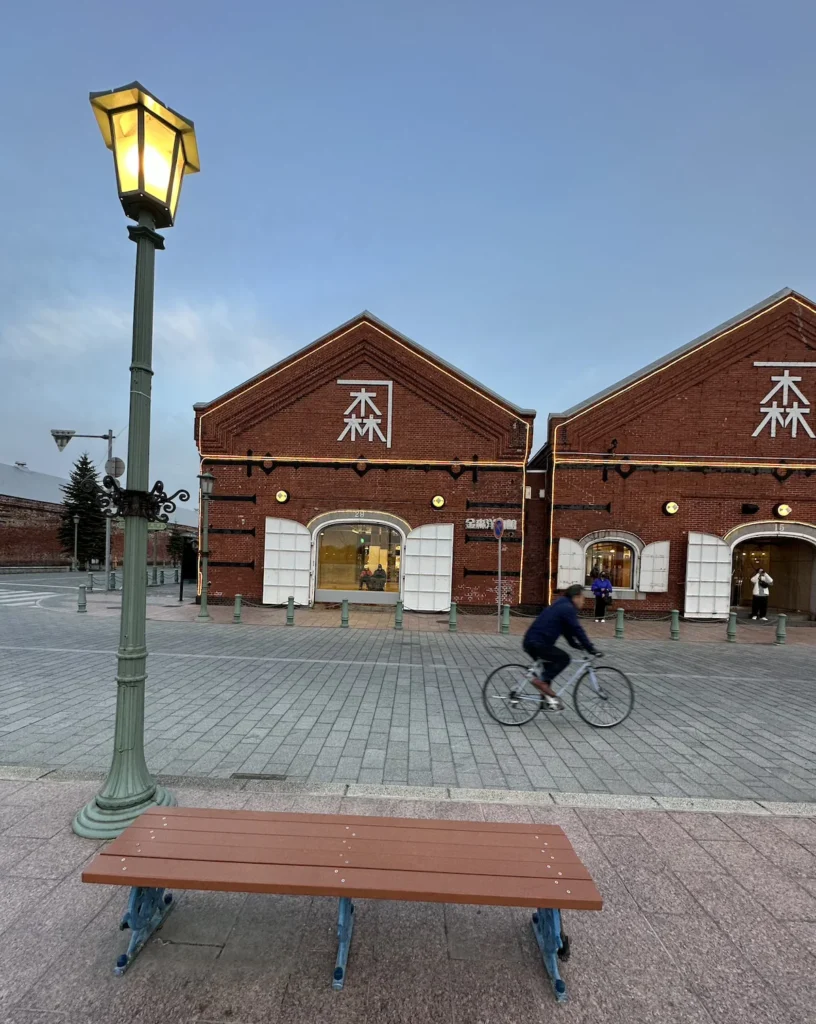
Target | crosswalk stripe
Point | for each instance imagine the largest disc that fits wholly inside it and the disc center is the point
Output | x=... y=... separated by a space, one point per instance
x=11 y=598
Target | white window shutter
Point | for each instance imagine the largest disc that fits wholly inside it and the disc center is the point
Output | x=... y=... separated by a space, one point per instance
x=428 y=568
x=654 y=568
x=708 y=577
x=570 y=563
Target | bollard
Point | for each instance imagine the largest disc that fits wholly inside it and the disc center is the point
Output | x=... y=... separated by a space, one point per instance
x=147 y=577
x=90 y=582
x=731 y=631
x=290 y=611
x=81 y=600
x=505 y=618
x=236 y=613
x=398 y=615
x=452 y=618
x=161 y=576
x=112 y=581
x=175 y=576
x=155 y=576
x=344 y=614
x=674 y=633
x=781 y=629
x=619 y=624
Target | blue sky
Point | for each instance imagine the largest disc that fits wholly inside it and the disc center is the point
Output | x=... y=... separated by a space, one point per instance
x=547 y=195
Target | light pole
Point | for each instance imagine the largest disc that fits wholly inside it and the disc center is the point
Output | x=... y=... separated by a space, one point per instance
x=153 y=148
x=207 y=482
x=62 y=437
x=76 y=533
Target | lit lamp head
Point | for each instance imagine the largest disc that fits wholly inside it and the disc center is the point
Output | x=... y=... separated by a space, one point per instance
x=76 y=520
x=153 y=148
x=782 y=511
x=206 y=482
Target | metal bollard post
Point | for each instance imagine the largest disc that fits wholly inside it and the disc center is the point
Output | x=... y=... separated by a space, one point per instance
x=398 y=615
x=452 y=627
x=155 y=576
x=175 y=576
x=731 y=631
x=90 y=582
x=674 y=633
x=290 y=611
x=619 y=624
x=236 y=613
x=781 y=629
x=505 y=618
x=344 y=614
x=112 y=581
x=81 y=600
x=161 y=576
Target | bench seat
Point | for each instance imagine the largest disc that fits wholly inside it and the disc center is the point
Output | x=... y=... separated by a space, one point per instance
x=486 y=863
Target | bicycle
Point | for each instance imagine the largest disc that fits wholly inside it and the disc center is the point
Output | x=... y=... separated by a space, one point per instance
x=603 y=688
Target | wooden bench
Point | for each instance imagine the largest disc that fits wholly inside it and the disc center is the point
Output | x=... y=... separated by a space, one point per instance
x=497 y=864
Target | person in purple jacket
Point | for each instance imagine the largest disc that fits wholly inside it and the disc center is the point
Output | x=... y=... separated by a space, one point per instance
x=559 y=619
x=602 y=591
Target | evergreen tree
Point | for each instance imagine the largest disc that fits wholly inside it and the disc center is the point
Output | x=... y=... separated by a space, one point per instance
x=83 y=497
x=175 y=544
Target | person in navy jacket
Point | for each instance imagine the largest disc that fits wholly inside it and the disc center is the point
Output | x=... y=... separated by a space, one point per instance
x=602 y=591
x=559 y=619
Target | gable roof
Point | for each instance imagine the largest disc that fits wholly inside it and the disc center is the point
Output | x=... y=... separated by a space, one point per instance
x=367 y=317
x=670 y=357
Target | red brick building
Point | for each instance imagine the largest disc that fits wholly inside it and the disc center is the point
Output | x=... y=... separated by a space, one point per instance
x=683 y=478
x=364 y=467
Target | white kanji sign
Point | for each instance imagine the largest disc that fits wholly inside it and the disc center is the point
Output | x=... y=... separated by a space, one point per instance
x=369 y=416
x=790 y=415
x=487 y=524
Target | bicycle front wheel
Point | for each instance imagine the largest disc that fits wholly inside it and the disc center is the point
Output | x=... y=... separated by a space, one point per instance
x=605 y=701
x=508 y=698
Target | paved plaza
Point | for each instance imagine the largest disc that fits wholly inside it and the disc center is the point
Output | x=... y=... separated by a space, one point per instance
x=375 y=706
x=708 y=919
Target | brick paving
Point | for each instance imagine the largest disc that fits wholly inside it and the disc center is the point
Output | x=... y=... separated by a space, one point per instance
x=708 y=918
x=376 y=706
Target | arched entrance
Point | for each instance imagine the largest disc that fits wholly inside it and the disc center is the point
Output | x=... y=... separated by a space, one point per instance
x=787 y=552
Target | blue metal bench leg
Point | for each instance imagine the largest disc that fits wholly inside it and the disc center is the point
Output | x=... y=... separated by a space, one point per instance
x=345 y=926
x=547 y=929
x=147 y=909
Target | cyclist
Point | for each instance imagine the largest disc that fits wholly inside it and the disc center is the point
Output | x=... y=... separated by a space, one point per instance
x=559 y=619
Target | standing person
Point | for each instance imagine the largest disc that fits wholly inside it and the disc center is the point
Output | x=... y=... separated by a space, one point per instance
x=602 y=590
x=559 y=619
x=759 y=602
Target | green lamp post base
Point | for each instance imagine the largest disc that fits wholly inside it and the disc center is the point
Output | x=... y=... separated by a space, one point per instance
x=95 y=821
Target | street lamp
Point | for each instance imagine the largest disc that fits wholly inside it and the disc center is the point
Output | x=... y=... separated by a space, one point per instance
x=62 y=437
x=76 y=530
x=207 y=482
x=153 y=148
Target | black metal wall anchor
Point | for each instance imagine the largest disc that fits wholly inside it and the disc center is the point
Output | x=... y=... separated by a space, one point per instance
x=154 y=505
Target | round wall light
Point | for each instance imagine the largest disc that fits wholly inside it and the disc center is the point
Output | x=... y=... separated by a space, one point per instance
x=438 y=501
x=782 y=511
x=282 y=497
x=671 y=508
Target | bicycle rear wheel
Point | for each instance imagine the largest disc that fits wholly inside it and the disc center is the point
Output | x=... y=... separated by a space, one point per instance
x=508 y=698
x=608 y=705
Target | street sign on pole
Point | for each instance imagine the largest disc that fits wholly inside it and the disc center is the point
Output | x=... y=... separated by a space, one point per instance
x=62 y=437
x=114 y=467
x=498 y=530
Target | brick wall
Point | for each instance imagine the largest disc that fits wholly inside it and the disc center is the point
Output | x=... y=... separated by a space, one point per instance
x=281 y=432
x=692 y=425
x=28 y=533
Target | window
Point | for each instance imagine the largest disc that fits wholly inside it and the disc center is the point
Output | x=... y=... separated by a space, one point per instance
x=359 y=557
x=614 y=558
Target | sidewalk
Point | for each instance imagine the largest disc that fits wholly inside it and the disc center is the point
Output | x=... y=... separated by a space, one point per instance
x=708 y=918
x=163 y=605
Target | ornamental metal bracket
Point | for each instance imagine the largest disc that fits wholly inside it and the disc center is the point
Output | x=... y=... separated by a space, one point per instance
x=154 y=505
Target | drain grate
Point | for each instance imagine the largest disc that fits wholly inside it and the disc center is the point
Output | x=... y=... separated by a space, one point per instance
x=258 y=775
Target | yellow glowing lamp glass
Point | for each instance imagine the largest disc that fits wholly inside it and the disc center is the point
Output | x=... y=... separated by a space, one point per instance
x=671 y=508
x=282 y=497
x=153 y=148
x=438 y=501
x=783 y=511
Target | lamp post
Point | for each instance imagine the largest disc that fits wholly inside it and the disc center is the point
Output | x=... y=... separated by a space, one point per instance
x=62 y=437
x=153 y=148
x=207 y=481
x=76 y=541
